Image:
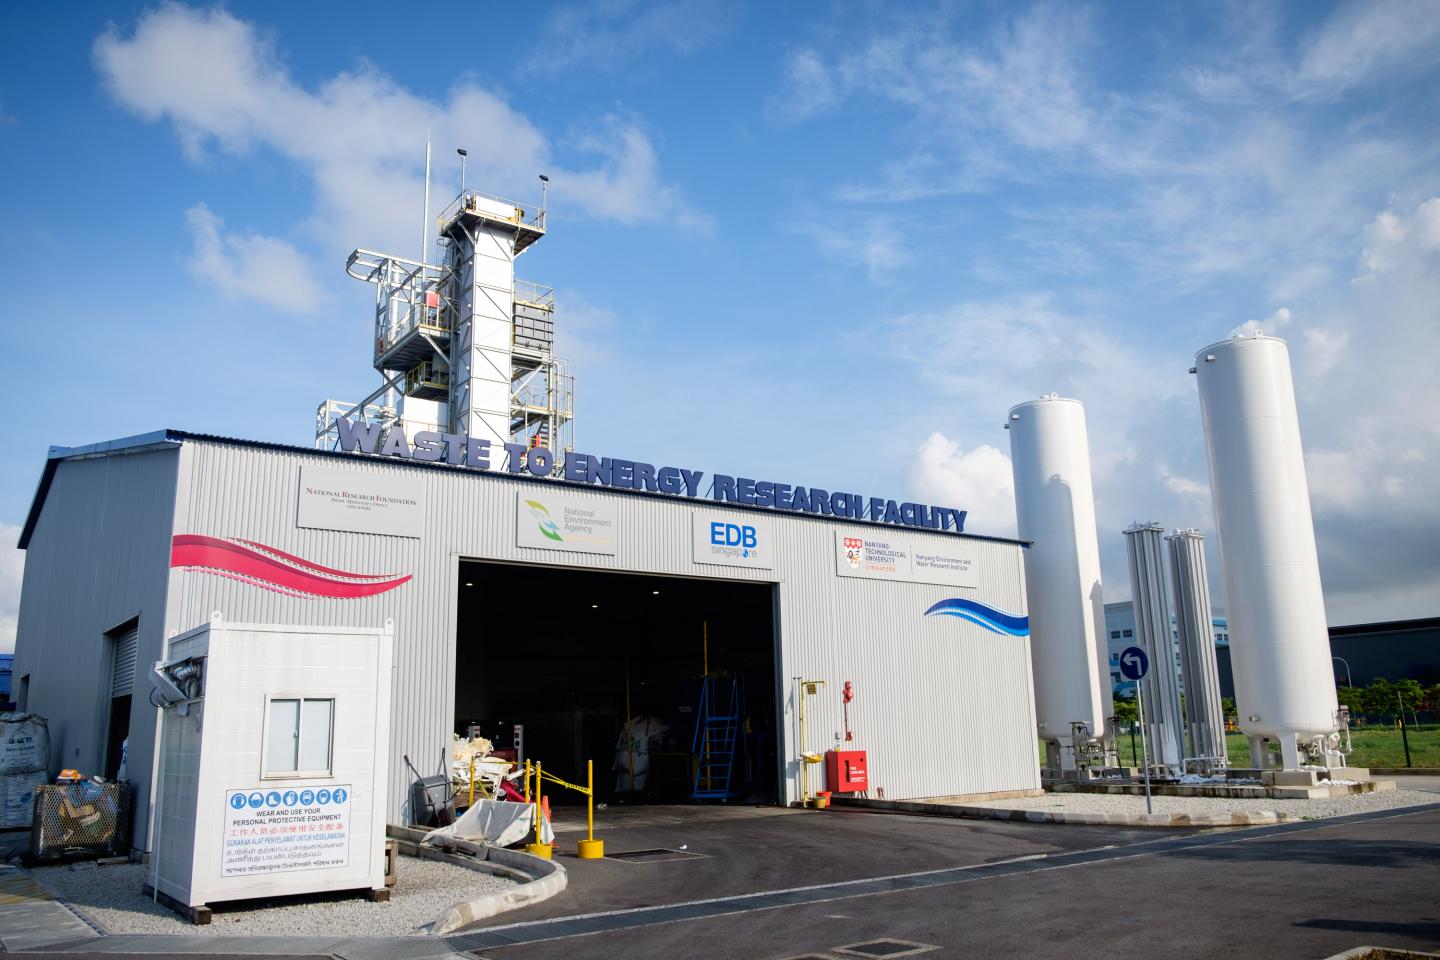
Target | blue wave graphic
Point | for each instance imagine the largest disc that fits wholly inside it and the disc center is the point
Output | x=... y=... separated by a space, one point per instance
x=996 y=621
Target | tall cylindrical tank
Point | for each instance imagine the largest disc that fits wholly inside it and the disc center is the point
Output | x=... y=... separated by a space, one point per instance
x=1279 y=643
x=1055 y=509
x=1194 y=623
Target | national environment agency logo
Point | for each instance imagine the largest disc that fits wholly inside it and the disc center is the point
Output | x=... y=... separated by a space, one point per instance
x=548 y=527
x=854 y=549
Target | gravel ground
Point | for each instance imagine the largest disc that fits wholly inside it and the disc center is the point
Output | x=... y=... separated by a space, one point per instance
x=111 y=897
x=1209 y=806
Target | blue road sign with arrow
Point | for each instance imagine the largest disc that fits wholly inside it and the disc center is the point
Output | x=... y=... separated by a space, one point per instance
x=1134 y=663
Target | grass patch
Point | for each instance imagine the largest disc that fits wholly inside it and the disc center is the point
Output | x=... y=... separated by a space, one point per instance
x=1373 y=747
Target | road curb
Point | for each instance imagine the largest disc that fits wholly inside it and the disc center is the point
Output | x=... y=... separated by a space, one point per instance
x=539 y=879
x=1259 y=818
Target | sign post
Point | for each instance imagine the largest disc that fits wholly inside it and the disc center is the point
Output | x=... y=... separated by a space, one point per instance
x=1134 y=664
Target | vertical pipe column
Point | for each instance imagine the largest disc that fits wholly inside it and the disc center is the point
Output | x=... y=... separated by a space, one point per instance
x=1194 y=621
x=1152 y=627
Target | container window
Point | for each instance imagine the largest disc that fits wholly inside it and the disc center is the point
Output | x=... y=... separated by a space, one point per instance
x=298 y=735
x=315 y=724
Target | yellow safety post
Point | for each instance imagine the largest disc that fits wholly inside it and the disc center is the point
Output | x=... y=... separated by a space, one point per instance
x=590 y=848
x=539 y=848
x=472 y=779
x=810 y=688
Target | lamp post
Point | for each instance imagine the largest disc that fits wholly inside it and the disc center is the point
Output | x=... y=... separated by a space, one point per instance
x=1348 y=682
x=463 y=155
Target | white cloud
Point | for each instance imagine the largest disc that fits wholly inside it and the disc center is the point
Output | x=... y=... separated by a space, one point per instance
x=12 y=574
x=1182 y=185
x=979 y=480
x=1271 y=325
x=809 y=89
x=1365 y=40
x=1323 y=349
x=870 y=241
x=988 y=355
x=1184 y=485
x=359 y=135
x=251 y=267
x=1370 y=415
x=613 y=34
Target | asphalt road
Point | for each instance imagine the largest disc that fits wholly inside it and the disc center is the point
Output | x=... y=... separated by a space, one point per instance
x=1307 y=890
x=737 y=850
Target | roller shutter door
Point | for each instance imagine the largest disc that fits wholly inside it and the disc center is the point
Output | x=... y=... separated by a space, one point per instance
x=122 y=674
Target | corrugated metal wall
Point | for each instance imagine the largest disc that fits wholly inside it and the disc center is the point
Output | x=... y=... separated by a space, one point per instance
x=943 y=706
x=97 y=559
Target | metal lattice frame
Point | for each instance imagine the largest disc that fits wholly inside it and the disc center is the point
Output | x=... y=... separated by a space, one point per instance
x=425 y=343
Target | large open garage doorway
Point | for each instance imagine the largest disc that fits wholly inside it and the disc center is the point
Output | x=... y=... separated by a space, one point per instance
x=667 y=683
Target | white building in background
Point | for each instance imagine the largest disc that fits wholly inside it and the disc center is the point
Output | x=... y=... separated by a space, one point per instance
x=1120 y=633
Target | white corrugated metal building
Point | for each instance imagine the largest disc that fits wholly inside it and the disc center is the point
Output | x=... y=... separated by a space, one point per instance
x=520 y=599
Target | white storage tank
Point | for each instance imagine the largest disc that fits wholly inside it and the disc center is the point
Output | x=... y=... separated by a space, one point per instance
x=1055 y=509
x=1279 y=643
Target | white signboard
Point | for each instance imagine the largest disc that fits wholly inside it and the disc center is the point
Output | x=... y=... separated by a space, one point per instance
x=882 y=555
x=559 y=521
x=360 y=502
x=734 y=541
x=285 y=829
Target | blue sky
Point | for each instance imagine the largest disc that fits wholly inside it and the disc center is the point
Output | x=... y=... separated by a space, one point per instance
x=827 y=245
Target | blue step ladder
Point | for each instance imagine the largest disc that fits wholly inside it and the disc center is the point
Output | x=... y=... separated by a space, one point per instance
x=717 y=735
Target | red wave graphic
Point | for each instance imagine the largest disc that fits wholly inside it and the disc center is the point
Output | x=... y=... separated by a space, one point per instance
x=302 y=562
x=297 y=578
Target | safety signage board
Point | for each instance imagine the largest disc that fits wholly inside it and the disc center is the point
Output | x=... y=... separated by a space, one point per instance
x=281 y=830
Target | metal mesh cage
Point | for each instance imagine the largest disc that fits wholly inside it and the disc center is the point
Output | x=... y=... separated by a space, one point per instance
x=85 y=819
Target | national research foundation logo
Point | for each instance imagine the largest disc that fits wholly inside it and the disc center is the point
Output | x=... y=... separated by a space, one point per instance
x=542 y=516
x=854 y=548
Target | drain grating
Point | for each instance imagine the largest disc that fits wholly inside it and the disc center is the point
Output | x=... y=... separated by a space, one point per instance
x=653 y=856
x=885 y=949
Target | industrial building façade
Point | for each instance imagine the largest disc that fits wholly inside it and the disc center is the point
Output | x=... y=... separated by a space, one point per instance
x=563 y=606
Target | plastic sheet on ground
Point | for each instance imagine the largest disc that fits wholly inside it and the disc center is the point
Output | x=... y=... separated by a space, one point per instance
x=495 y=823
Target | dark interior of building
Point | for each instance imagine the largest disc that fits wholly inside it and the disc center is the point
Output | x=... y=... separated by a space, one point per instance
x=561 y=652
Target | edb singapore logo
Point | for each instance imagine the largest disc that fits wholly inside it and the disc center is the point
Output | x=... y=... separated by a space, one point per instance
x=734 y=539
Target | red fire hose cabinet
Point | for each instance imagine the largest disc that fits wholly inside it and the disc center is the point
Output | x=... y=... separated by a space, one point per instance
x=845 y=771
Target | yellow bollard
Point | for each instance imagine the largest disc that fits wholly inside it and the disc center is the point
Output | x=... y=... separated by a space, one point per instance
x=590 y=848
x=538 y=848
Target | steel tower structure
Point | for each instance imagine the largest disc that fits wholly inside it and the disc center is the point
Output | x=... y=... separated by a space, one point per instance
x=462 y=346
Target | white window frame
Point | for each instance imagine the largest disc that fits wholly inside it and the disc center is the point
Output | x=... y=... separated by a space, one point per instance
x=265 y=772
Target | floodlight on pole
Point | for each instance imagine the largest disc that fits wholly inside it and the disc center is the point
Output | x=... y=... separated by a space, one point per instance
x=463 y=155
x=544 y=187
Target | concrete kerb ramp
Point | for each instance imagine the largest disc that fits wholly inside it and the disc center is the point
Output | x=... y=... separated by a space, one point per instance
x=1257 y=819
x=538 y=879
